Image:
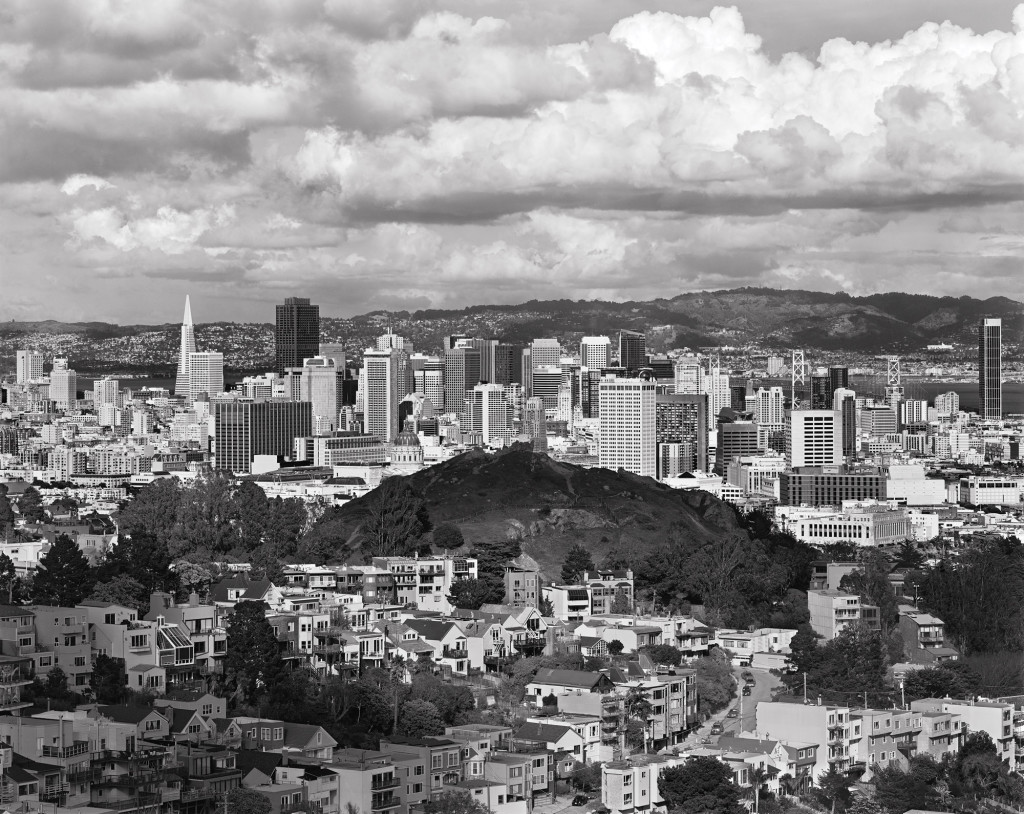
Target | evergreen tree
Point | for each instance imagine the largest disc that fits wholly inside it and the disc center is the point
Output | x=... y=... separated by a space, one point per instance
x=30 y=504
x=420 y=719
x=577 y=562
x=247 y=801
x=6 y=512
x=63 y=577
x=251 y=513
x=253 y=664
x=8 y=577
x=125 y=591
x=907 y=556
x=394 y=520
x=621 y=603
x=469 y=594
x=834 y=789
x=144 y=558
x=108 y=680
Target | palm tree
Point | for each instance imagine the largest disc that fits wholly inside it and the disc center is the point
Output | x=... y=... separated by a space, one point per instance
x=758 y=777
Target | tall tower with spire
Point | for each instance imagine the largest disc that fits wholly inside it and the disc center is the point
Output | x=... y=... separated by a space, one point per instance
x=188 y=347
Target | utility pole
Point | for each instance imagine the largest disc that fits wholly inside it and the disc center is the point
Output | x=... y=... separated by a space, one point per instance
x=805 y=687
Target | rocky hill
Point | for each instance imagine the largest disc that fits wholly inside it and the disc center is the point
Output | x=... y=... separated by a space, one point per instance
x=549 y=506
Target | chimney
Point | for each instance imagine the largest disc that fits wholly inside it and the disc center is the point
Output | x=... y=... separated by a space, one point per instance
x=193 y=600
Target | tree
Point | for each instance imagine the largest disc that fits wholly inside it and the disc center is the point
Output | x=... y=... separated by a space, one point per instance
x=56 y=686
x=702 y=785
x=898 y=790
x=469 y=594
x=638 y=707
x=30 y=504
x=715 y=682
x=64 y=577
x=395 y=518
x=108 y=680
x=491 y=559
x=253 y=662
x=758 y=778
x=247 y=801
x=8 y=576
x=125 y=591
x=545 y=607
x=420 y=719
x=448 y=536
x=586 y=776
x=908 y=556
x=871 y=583
x=577 y=562
x=663 y=654
x=143 y=557
x=834 y=789
x=621 y=603
x=615 y=647
x=251 y=514
x=192 y=577
x=953 y=679
x=6 y=512
x=454 y=801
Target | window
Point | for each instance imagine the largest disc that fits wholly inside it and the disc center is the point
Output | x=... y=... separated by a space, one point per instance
x=279 y=734
x=264 y=733
x=437 y=761
x=108 y=619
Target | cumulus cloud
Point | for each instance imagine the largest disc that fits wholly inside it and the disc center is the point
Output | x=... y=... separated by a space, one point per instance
x=450 y=151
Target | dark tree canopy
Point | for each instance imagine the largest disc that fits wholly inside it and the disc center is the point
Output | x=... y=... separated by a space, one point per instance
x=30 y=504
x=248 y=801
x=394 y=520
x=702 y=785
x=64 y=577
x=469 y=594
x=577 y=562
x=108 y=680
x=253 y=663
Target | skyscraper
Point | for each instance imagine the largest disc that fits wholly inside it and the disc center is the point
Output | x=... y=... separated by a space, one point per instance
x=681 y=431
x=990 y=369
x=596 y=352
x=838 y=377
x=296 y=332
x=632 y=350
x=535 y=424
x=205 y=374
x=627 y=425
x=63 y=384
x=461 y=373
x=844 y=402
x=508 y=364
x=29 y=366
x=185 y=351
x=380 y=401
x=490 y=414
x=319 y=386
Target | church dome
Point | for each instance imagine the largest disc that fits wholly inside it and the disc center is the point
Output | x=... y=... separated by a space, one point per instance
x=407 y=438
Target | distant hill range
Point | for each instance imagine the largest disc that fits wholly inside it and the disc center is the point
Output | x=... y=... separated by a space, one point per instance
x=770 y=318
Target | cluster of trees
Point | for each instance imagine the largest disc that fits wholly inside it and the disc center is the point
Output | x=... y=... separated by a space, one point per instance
x=214 y=517
x=744 y=579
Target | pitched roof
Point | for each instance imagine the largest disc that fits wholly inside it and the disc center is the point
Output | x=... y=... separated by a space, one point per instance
x=433 y=629
x=126 y=714
x=266 y=762
x=568 y=678
x=548 y=733
x=299 y=735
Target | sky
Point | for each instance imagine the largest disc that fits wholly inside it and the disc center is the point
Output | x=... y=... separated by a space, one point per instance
x=406 y=154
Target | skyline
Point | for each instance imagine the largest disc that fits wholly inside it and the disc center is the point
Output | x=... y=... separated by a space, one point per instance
x=402 y=156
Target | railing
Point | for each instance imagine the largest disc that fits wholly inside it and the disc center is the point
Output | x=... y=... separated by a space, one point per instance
x=381 y=783
x=384 y=805
x=53 y=792
x=79 y=748
x=190 y=795
x=455 y=654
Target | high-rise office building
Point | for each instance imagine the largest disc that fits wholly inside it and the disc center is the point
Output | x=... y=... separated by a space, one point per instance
x=844 y=402
x=489 y=414
x=838 y=377
x=63 y=384
x=716 y=386
x=335 y=351
x=319 y=386
x=428 y=379
x=245 y=429
x=821 y=394
x=734 y=438
x=913 y=411
x=461 y=373
x=627 y=425
x=390 y=341
x=776 y=365
x=770 y=416
x=185 y=350
x=508 y=364
x=546 y=381
x=205 y=374
x=296 y=332
x=535 y=424
x=545 y=352
x=381 y=397
x=990 y=369
x=632 y=350
x=488 y=353
x=29 y=366
x=596 y=352
x=813 y=438
x=681 y=433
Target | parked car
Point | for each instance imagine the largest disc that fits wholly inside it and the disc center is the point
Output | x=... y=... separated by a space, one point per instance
x=732 y=713
x=717 y=728
x=746 y=690
x=705 y=739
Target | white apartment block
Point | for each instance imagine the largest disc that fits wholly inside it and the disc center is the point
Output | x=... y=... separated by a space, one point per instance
x=627 y=425
x=29 y=366
x=205 y=374
x=833 y=611
x=426 y=581
x=381 y=393
x=596 y=352
x=987 y=490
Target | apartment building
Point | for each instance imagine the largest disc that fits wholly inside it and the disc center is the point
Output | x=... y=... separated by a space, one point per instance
x=833 y=611
x=370 y=780
x=205 y=625
x=64 y=632
x=993 y=717
x=630 y=786
x=606 y=586
x=426 y=581
x=924 y=637
x=522 y=586
x=830 y=727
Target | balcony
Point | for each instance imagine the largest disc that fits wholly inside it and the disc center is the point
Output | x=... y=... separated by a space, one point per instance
x=455 y=654
x=382 y=782
x=78 y=748
x=386 y=804
x=53 y=792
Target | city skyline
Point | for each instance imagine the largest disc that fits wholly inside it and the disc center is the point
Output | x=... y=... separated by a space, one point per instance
x=599 y=150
